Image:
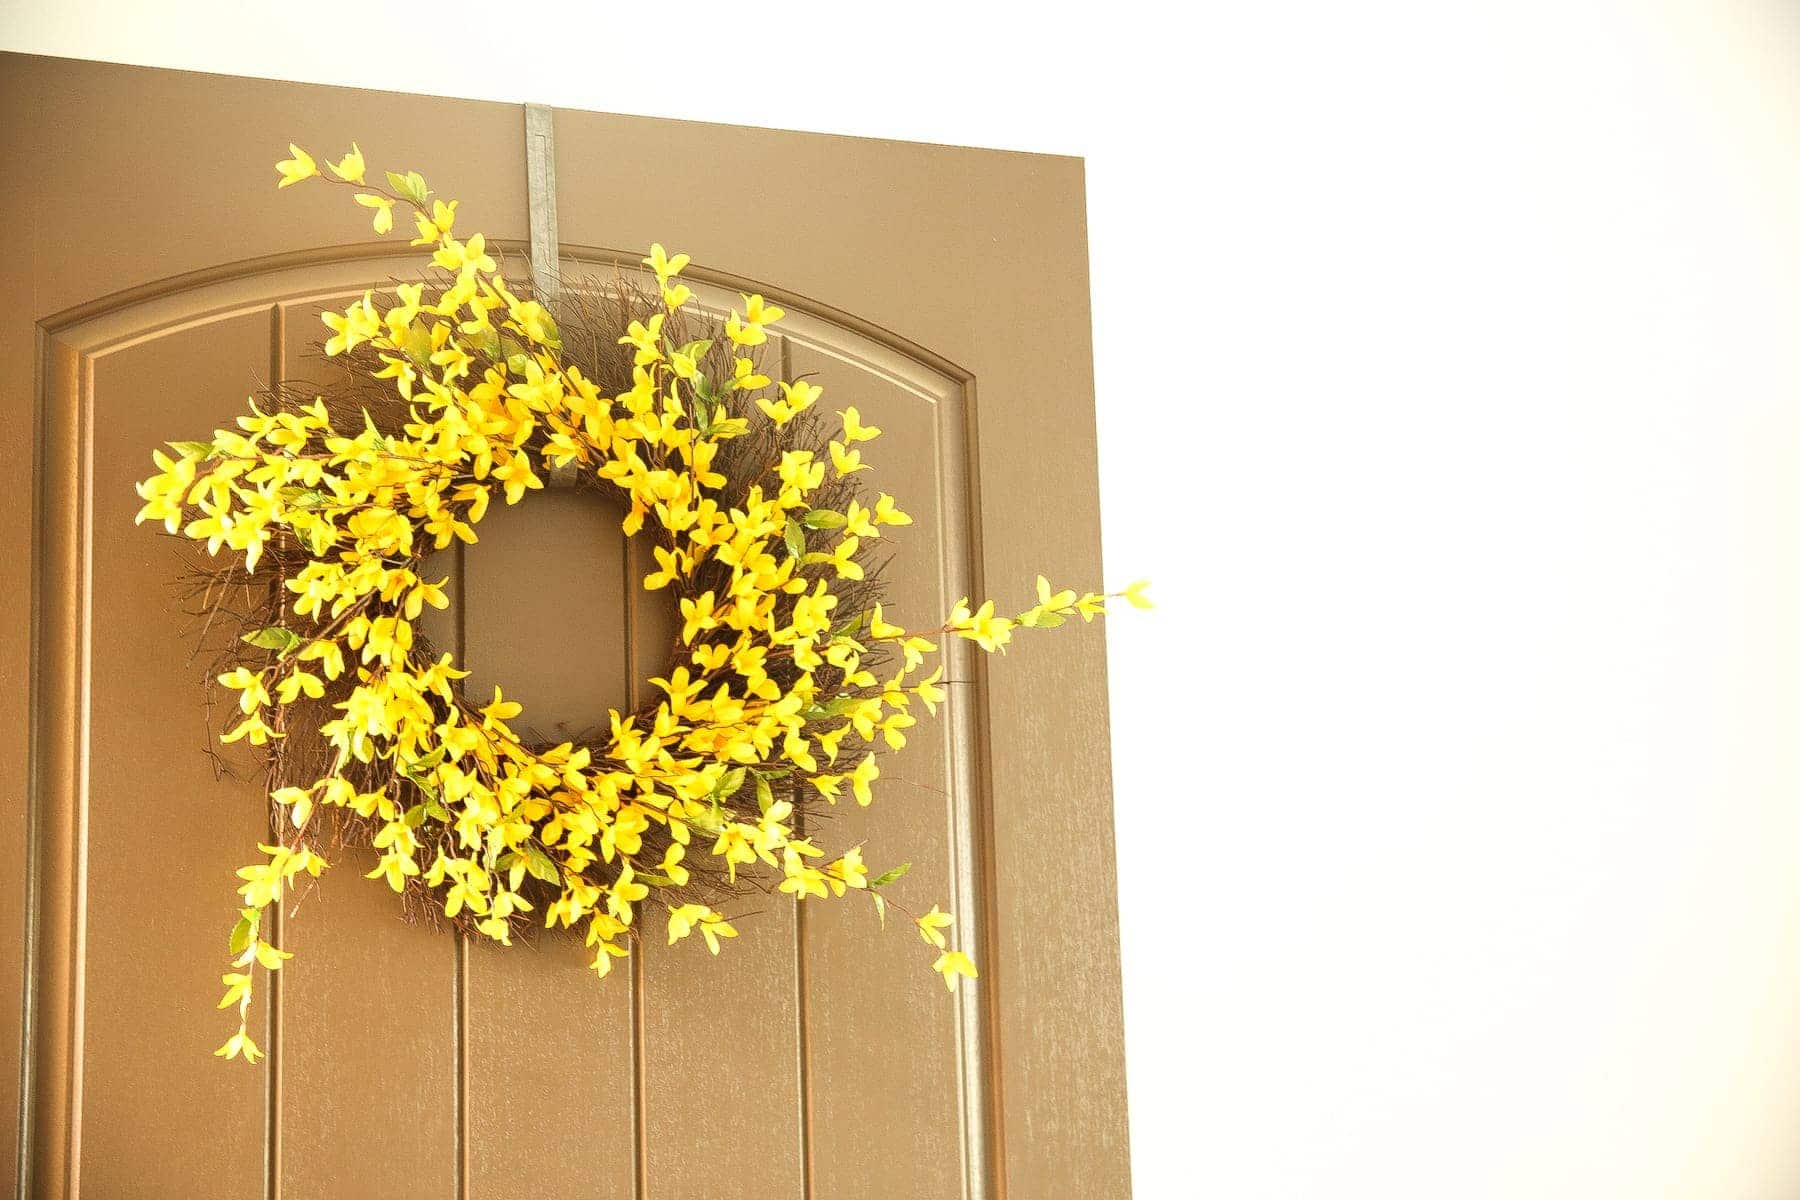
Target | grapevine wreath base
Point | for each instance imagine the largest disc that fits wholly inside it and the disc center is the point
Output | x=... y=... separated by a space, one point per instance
x=461 y=390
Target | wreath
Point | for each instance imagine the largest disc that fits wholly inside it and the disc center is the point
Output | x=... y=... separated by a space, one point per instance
x=462 y=391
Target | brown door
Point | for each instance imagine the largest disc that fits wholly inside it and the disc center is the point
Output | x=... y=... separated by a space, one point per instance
x=152 y=278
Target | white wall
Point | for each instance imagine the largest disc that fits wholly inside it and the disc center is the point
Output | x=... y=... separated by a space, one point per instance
x=1450 y=394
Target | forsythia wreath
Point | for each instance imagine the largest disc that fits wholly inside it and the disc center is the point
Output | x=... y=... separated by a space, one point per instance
x=773 y=702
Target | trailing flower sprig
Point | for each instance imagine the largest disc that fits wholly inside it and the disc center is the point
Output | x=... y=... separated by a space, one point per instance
x=772 y=702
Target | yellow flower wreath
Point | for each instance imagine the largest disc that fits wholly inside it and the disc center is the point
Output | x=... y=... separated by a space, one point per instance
x=773 y=689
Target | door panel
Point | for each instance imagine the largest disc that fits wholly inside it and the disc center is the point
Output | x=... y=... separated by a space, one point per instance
x=816 y=1054
x=362 y=1061
x=705 y=1103
x=539 y=603
x=162 y=835
x=856 y=1089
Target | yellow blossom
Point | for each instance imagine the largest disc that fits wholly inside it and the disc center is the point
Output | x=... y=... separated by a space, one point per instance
x=299 y=167
x=952 y=964
x=932 y=925
x=350 y=168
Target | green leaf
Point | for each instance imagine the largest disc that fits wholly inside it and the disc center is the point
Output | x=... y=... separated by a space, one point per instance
x=729 y=784
x=695 y=350
x=273 y=637
x=796 y=538
x=198 y=449
x=824 y=518
x=411 y=185
x=651 y=877
x=765 y=795
x=241 y=933
x=887 y=877
x=540 y=864
x=880 y=908
x=426 y=763
x=413 y=817
x=708 y=821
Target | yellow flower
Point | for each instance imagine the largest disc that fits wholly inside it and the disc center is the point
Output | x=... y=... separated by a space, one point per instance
x=646 y=337
x=500 y=710
x=396 y=868
x=350 y=168
x=881 y=629
x=665 y=266
x=254 y=694
x=745 y=377
x=927 y=691
x=866 y=772
x=854 y=430
x=843 y=558
x=848 y=871
x=748 y=330
x=1134 y=594
x=887 y=514
x=951 y=964
x=697 y=616
x=443 y=215
x=981 y=627
x=623 y=894
x=683 y=918
x=354 y=326
x=602 y=964
x=847 y=462
x=932 y=925
x=453 y=255
x=857 y=522
x=796 y=398
x=384 y=210
x=299 y=167
x=300 y=683
x=713 y=927
x=239 y=1043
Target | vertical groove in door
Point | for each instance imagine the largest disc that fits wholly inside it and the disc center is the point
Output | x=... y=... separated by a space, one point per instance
x=459 y=1025
x=272 y=1036
x=802 y=1041
x=640 y=1128
x=802 y=1056
x=459 y=971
